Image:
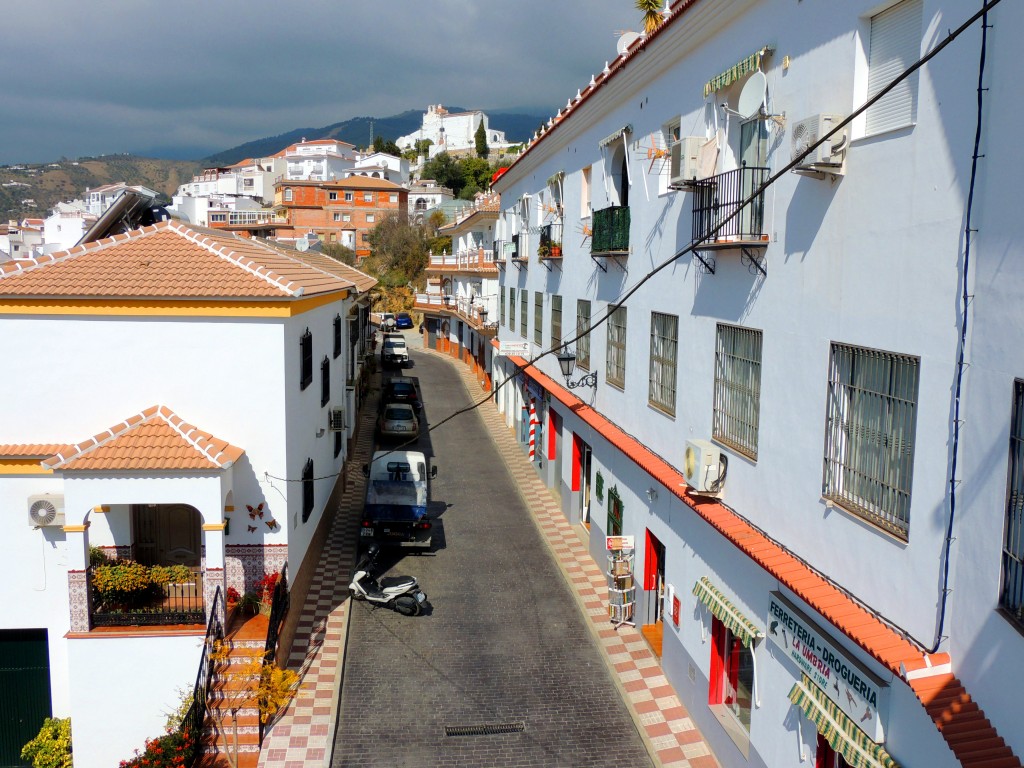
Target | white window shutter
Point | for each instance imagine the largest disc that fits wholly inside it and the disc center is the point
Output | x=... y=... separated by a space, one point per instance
x=894 y=46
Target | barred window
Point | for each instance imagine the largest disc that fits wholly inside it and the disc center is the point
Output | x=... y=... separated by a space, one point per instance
x=307 y=489
x=511 y=309
x=538 y=318
x=617 y=348
x=305 y=359
x=869 y=434
x=1012 y=595
x=524 y=301
x=664 y=341
x=325 y=381
x=583 y=342
x=737 y=403
x=556 y=322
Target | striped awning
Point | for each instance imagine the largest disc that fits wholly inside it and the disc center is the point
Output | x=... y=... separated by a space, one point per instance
x=839 y=730
x=740 y=69
x=726 y=612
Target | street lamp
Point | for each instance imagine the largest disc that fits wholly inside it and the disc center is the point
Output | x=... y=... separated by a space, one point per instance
x=567 y=362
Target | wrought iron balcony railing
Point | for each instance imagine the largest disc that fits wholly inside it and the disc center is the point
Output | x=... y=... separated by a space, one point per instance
x=716 y=198
x=610 y=231
x=550 y=244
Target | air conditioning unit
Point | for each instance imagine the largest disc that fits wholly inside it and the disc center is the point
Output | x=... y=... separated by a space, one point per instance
x=702 y=466
x=45 y=510
x=829 y=156
x=684 y=165
x=336 y=420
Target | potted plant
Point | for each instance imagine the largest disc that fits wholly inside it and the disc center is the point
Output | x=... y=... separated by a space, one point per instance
x=556 y=249
x=265 y=591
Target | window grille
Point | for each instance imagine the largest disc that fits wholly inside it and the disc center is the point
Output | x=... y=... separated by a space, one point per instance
x=583 y=342
x=1012 y=594
x=524 y=300
x=325 y=381
x=617 y=348
x=664 y=343
x=307 y=489
x=556 y=322
x=869 y=434
x=305 y=359
x=737 y=401
x=538 y=318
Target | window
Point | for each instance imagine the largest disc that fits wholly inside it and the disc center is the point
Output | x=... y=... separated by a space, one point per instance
x=1012 y=597
x=737 y=404
x=305 y=359
x=670 y=134
x=307 y=489
x=524 y=299
x=218 y=217
x=501 y=307
x=325 y=381
x=367 y=197
x=614 y=513
x=869 y=434
x=556 y=322
x=894 y=45
x=664 y=340
x=585 y=192
x=337 y=443
x=348 y=197
x=288 y=194
x=370 y=218
x=393 y=197
x=731 y=684
x=826 y=757
x=337 y=335
x=583 y=342
x=617 y=347
x=332 y=195
x=511 y=309
x=365 y=237
x=336 y=216
x=538 y=318
x=346 y=217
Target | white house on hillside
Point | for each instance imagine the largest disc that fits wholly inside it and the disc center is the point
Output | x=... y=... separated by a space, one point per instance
x=798 y=400
x=193 y=394
x=453 y=131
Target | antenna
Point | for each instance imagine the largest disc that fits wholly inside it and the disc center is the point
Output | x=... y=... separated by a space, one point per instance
x=752 y=97
x=625 y=40
x=655 y=153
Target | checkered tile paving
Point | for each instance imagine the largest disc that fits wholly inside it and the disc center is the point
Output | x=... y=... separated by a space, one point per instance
x=301 y=738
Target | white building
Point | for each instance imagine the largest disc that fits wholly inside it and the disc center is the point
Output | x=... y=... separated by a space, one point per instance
x=98 y=199
x=453 y=131
x=179 y=377
x=381 y=165
x=801 y=364
x=22 y=239
x=245 y=186
x=318 y=160
x=65 y=226
x=427 y=194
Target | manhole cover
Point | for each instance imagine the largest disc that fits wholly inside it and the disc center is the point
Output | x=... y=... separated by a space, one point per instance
x=484 y=729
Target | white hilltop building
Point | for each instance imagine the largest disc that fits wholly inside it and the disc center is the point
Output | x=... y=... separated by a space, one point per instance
x=453 y=131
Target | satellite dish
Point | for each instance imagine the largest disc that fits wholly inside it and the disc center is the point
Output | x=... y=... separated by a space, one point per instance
x=626 y=40
x=752 y=97
x=302 y=244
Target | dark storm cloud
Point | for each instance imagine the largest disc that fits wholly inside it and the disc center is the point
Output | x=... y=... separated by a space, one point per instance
x=122 y=75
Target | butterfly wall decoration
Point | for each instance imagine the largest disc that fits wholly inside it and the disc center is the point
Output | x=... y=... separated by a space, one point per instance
x=271 y=523
x=255 y=512
x=252 y=529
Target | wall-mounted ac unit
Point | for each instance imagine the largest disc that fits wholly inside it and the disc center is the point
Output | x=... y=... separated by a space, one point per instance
x=45 y=510
x=336 y=419
x=702 y=466
x=828 y=157
x=684 y=165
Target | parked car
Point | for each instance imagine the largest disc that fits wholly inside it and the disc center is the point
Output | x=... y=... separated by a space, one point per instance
x=387 y=321
x=398 y=420
x=403 y=320
x=400 y=389
x=394 y=351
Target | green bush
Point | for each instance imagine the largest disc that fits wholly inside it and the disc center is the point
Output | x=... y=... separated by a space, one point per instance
x=51 y=748
x=97 y=556
x=121 y=576
x=163 y=575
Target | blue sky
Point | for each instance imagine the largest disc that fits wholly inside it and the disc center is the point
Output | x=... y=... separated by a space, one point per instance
x=191 y=77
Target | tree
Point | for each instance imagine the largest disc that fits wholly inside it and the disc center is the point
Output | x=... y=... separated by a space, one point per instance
x=652 y=17
x=388 y=146
x=339 y=252
x=443 y=169
x=398 y=252
x=423 y=146
x=482 y=150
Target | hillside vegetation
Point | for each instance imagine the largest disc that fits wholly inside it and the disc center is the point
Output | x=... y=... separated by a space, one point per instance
x=49 y=183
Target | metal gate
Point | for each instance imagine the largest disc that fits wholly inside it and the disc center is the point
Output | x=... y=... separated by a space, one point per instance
x=24 y=691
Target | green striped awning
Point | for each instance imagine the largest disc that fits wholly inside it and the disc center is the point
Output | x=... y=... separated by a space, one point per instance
x=740 y=69
x=840 y=731
x=726 y=612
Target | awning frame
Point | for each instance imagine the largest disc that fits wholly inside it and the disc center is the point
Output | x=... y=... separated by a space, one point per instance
x=726 y=612
x=739 y=70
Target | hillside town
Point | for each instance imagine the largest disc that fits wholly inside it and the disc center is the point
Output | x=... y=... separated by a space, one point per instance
x=687 y=433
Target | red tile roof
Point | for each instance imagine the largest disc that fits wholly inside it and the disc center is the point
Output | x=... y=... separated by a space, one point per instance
x=155 y=439
x=30 y=450
x=172 y=260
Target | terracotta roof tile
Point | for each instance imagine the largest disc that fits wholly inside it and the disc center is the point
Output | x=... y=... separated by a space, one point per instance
x=172 y=260
x=31 y=450
x=156 y=439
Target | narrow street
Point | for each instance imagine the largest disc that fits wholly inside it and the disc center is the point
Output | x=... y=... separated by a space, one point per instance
x=504 y=647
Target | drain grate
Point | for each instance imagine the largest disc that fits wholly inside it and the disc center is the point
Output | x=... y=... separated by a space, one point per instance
x=484 y=729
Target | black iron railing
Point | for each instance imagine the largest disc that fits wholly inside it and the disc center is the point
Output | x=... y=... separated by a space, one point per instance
x=155 y=605
x=278 y=610
x=514 y=252
x=195 y=718
x=610 y=230
x=718 y=197
x=549 y=245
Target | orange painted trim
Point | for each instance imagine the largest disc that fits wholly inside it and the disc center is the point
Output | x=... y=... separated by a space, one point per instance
x=214 y=526
x=76 y=528
x=23 y=467
x=283 y=307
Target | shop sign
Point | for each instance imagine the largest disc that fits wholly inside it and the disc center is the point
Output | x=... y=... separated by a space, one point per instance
x=517 y=348
x=618 y=542
x=858 y=692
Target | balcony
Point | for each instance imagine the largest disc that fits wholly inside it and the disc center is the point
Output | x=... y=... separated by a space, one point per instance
x=717 y=198
x=473 y=311
x=550 y=246
x=123 y=593
x=610 y=231
x=467 y=260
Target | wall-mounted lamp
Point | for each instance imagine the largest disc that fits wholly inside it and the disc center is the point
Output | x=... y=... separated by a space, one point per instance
x=567 y=361
x=652 y=494
x=320 y=432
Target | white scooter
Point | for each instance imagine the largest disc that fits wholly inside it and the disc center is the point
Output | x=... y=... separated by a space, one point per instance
x=402 y=593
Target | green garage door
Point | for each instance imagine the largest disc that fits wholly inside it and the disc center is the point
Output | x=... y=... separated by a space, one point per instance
x=24 y=690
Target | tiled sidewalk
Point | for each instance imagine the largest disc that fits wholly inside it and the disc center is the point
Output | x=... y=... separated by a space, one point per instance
x=303 y=735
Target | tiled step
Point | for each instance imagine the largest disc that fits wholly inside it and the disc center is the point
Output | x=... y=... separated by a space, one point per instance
x=245 y=760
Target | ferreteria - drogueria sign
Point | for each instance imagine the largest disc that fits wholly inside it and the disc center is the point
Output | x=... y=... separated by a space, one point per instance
x=858 y=692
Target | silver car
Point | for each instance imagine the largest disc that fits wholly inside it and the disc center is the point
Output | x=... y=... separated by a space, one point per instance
x=398 y=421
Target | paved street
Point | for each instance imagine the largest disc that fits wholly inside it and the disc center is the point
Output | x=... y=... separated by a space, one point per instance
x=505 y=643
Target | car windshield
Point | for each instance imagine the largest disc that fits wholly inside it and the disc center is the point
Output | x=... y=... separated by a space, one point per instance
x=398 y=414
x=403 y=390
x=394 y=343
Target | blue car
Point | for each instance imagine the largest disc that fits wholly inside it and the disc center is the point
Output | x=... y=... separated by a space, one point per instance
x=403 y=320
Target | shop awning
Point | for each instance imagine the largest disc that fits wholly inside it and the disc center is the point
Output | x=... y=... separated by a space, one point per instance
x=839 y=730
x=742 y=68
x=726 y=612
